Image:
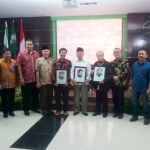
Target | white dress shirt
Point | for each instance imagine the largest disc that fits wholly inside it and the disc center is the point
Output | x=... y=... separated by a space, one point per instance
x=81 y=63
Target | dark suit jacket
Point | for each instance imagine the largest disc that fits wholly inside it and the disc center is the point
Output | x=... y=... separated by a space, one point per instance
x=107 y=78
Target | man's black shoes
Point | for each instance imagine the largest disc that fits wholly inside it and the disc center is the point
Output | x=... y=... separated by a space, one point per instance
x=11 y=114
x=75 y=113
x=26 y=113
x=96 y=113
x=133 y=119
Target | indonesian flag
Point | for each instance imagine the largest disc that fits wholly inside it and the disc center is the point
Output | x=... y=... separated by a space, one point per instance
x=22 y=39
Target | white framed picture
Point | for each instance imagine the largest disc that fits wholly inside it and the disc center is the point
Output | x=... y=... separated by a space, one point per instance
x=99 y=74
x=80 y=74
x=61 y=76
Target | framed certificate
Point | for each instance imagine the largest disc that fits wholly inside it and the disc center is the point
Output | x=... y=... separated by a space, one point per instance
x=80 y=74
x=61 y=76
x=99 y=74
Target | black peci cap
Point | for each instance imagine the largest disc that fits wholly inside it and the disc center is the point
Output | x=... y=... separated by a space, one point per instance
x=79 y=49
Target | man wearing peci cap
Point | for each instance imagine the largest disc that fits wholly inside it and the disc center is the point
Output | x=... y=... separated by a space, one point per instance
x=43 y=67
x=80 y=87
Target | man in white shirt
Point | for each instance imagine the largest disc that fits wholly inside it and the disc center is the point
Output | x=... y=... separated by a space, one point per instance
x=80 y=87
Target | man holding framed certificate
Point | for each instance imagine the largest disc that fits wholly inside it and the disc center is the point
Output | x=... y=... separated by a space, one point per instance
x=102 y=77
x=80 y=75
x=61 y=79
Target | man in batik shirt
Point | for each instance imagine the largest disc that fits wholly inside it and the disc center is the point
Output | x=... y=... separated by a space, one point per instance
x=43 y=69
x=8 y=82
x=120 y=76
x=61 y=64
x=26 y=69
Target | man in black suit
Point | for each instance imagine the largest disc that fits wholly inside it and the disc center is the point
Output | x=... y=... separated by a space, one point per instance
x=102 y=86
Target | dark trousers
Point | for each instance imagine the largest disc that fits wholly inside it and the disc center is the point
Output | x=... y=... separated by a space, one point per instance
x=30 y=92
x=46 y=95
x=118 y=99
x=101 y=98
x=64 y=90
x=8 y=96
x=135 y=103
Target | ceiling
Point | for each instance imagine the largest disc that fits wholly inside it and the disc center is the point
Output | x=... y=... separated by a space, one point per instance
x=53 y=8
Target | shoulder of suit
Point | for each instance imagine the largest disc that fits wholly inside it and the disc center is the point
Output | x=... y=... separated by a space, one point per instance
x=96 y=63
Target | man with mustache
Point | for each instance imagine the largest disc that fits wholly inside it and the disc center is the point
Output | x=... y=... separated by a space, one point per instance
x=140 y=86
x=8 y=82
x=26 y=68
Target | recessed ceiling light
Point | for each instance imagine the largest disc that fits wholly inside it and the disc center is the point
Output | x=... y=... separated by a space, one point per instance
x=41 y=11
x=82 y=9
x=131 y=8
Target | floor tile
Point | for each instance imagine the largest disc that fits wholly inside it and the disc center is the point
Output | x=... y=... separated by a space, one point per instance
x=33 y=141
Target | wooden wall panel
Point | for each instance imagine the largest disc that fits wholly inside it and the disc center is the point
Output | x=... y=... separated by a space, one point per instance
x=36 y=28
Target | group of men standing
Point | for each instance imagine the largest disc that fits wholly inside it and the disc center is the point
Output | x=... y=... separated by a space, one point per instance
x=37 y=76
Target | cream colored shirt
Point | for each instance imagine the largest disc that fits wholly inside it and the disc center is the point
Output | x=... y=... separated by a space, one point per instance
x=82 y=63
x=44 y=66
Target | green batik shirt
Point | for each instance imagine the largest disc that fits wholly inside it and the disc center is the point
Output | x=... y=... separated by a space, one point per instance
x=120 y=69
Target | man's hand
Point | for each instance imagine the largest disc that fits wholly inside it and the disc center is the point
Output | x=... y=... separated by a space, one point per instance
x=148 y=92
x=101 y=82
x=86 y=81
x=22 y=82
x=0 y=87
x=130 y=88
x=66 y=84
x=73 y=81
x=115 y=78
x=38 y=84
x=55 y=84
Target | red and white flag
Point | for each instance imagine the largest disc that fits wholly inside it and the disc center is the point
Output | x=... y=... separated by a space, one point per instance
x=22 y=38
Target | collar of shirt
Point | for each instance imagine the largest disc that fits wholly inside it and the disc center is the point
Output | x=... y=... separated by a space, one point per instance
x=59 y=60
x=79 y=60
x=118 y=60
x=29 y=52
x=144 y=62
x=101 y=63
x=3 y=59
x=43 y=58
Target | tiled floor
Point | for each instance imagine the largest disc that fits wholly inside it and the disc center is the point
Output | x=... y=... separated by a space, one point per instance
x=76 y=133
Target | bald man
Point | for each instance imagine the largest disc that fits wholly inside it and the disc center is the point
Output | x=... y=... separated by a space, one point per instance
x=102 y=86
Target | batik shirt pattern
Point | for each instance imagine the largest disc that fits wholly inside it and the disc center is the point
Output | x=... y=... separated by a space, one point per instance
x=120 y=69
x=27 y=63
x=7 y=73
x=44 y=66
